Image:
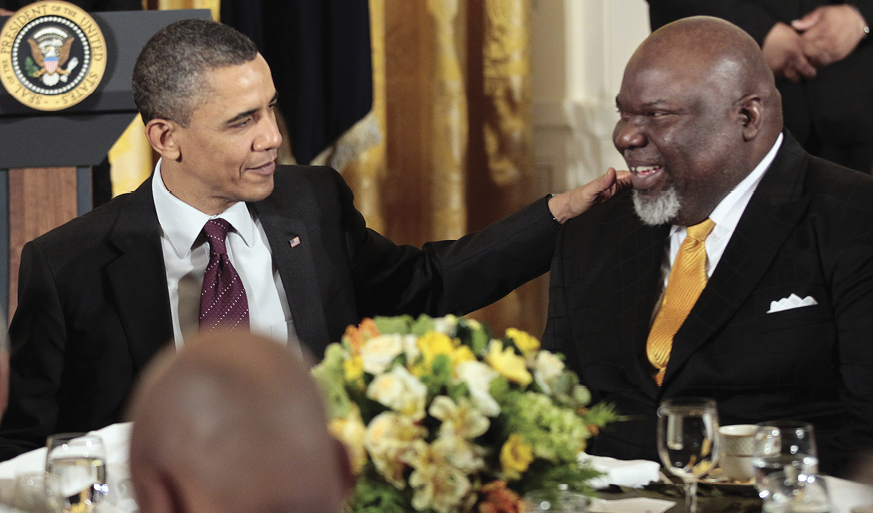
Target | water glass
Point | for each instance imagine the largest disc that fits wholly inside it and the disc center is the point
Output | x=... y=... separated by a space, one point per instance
x=79 y=462
x=555 y=501
x=688 y=441
x=785 y=460
x=37 y=492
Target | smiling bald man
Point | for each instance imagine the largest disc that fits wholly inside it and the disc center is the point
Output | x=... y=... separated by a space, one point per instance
x=781 y=328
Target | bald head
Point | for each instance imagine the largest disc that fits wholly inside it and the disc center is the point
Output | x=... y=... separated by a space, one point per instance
x=233 y=423
x=699 y=110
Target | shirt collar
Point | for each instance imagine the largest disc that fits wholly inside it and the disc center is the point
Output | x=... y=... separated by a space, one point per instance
x=182 y=223
x=727 y=213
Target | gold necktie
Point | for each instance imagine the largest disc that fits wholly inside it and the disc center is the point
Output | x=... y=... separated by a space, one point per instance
x=686 y=282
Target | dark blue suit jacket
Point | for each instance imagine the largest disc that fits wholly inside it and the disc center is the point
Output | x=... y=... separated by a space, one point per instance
x=93 y=304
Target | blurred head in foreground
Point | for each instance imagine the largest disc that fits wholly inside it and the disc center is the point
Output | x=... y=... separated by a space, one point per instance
x=233 y=423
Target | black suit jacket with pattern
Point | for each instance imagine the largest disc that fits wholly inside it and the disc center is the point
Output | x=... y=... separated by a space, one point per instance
x=807 y=230
x=94 y=308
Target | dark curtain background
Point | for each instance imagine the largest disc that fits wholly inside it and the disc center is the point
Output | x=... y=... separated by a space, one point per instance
x=319 y=53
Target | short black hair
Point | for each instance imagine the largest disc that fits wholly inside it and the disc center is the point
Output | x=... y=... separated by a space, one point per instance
x=167 y=77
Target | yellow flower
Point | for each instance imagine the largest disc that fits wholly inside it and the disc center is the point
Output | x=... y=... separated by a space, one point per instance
x=515 y=457
x=433 y=344
x=510 y=365
x=351 y=432
x=523 y=340
x=462 y=353
x=353 y=369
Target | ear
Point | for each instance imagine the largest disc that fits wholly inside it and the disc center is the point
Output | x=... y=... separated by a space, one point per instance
x=750 y=111
x=157 y=492
x=161 y=134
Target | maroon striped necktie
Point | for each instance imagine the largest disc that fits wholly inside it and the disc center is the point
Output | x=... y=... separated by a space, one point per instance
x=223 y=300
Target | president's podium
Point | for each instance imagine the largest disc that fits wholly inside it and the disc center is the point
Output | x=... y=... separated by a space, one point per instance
x=62 y=108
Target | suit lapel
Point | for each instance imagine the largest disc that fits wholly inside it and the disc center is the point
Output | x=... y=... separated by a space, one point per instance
x=772 y=213
x=290 y=244
x=641 y=256
x=138 y=279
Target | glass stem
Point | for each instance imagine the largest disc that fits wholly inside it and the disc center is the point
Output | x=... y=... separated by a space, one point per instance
x=691 y=496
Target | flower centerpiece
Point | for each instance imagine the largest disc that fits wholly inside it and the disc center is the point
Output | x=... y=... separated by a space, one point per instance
x=439 y=416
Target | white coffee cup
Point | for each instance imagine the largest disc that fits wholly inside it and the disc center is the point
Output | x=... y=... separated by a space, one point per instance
x=735 y=448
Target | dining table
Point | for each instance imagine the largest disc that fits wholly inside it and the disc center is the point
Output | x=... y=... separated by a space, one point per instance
x=626 y=487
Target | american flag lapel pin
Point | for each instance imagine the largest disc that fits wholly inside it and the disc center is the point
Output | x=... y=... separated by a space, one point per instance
x=294 y=242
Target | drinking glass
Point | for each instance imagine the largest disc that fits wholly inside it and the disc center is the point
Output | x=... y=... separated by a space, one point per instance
x=555 y=501
x=79 y=462
x=687 y=441
x=37 y=492
x=785 y=461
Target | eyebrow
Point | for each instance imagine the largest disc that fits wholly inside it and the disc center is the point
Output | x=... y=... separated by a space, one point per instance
x=243 y=115
x=647 y=105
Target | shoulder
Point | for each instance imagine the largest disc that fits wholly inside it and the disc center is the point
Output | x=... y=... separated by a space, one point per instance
x=839 y=189
x=128 y=218
x=85 y=229
x=299 y=185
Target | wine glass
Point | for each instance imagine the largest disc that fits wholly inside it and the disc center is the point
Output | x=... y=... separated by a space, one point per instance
x=687 y=441
x=79 y=462
x=785 y=461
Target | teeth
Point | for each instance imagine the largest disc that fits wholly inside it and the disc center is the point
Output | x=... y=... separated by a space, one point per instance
x=645 y=169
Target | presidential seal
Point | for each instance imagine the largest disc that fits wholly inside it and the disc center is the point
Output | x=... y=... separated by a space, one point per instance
x=52 y=55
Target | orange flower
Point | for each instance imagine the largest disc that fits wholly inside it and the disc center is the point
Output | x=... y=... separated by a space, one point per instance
x=357 y=335
x=495 y=497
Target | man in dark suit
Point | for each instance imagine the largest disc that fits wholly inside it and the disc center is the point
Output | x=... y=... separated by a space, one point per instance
x=101 y=294
x=782 y=328
x=822 y=57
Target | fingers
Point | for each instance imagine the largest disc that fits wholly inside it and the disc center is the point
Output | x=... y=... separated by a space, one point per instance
x=807 y=22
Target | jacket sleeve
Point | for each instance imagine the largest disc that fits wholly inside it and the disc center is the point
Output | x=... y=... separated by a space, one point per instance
x=37 y=340
x=446 y=277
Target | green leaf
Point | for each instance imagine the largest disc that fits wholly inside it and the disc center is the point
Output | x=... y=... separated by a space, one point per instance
x=422 y=325
x=388 y=325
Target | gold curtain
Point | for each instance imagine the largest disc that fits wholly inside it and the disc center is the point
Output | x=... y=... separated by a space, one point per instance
x=452 y=95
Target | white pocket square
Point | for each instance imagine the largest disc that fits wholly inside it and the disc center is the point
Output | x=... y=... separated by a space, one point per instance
x=792 y=301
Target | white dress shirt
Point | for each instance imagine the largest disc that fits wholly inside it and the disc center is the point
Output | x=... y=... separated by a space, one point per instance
x=186 y=254
x=726 y=216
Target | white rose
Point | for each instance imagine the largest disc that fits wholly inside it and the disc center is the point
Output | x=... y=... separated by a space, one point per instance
x=410 y=347
x=478 y=377
x=378 y=352
x=400 y=391
x=547 y=367
x=445 y=325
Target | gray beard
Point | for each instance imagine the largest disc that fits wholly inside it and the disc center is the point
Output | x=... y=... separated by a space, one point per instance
x=658 y=210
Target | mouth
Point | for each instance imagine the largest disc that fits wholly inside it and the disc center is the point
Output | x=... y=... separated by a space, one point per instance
x=645 y=178
x=264 y=169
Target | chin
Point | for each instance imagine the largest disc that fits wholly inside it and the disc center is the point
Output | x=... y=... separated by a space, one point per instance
x=259 y=192
x=658 y=208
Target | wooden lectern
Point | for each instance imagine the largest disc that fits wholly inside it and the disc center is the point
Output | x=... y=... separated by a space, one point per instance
x=46 y=157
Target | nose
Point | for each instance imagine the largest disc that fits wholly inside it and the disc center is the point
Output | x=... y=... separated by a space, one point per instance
x=628 y=135
x=270 y=137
